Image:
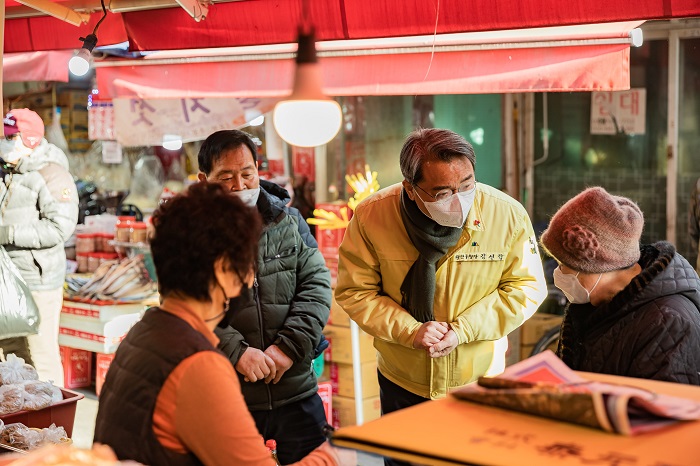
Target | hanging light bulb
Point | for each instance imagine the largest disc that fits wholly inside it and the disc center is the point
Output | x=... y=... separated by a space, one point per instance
x=307 y=117
x=79 y=64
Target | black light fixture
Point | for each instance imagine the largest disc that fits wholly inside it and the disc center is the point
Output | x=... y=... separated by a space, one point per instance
x=79 y=64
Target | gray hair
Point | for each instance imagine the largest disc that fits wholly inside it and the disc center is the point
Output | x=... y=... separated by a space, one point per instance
x=432 y=143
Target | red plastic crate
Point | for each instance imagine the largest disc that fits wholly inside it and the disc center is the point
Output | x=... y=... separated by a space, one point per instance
x=77 y=367
x=61 y=413
x=102 y=363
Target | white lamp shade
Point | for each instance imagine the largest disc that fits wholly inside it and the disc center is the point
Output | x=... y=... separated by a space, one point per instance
x=79 y=64
x=307 y=123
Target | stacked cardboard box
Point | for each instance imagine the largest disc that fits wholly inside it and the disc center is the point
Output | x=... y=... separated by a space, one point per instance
x=93 y=327
x=74 y=118
x=351 y=384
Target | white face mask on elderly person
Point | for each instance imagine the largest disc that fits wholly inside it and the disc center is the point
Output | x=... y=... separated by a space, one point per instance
x=11 y=150
x=248 y=196
x=453 y=211
x=572 y=288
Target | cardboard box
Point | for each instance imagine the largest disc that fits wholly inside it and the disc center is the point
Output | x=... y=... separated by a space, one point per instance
x=343 y=379
x=100 y=311
x=344 y=410
x=340 y=349
x=325 y=391
x=92 y=334
x=77 y=367
x=102 y=363
x=338 y=316
x=536 y=326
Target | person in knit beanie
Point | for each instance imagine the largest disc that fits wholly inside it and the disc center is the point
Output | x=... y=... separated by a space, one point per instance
x=634 y=309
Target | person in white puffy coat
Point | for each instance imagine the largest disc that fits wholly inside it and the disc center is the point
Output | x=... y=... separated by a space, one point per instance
x=38 y=213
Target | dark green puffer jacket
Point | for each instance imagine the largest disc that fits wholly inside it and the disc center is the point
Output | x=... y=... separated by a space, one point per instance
x=288 y=306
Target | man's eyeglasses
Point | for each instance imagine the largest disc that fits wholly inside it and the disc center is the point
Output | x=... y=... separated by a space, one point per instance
x=446 y=193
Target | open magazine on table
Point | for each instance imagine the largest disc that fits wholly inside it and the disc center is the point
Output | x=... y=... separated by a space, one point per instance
x=544 y=386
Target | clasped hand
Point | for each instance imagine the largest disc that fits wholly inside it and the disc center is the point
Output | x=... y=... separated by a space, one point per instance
x=437 y=338
x=268 y=365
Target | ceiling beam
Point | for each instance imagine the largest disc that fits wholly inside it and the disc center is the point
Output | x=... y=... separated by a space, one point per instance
x=89 y=6
x=57 y=10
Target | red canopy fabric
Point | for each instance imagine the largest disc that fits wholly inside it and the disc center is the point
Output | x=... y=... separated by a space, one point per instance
x=47 y=33
x=36 y=66
x=512 y=66
x=274 y=21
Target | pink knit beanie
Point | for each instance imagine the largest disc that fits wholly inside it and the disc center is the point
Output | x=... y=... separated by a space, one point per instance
x=595 y=232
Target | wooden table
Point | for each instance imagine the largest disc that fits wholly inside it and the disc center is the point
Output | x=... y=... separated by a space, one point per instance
x=454 y=432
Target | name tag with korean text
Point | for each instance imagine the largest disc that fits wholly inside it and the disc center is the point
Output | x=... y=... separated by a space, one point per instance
x=480 y=256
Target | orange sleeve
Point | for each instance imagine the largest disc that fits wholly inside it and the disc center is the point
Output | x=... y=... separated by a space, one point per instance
x=208 y=416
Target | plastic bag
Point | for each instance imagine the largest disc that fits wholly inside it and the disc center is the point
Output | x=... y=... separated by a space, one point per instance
x=20 y=436
x=14 y=370
x=37 y=395
x=53 y=434
x=19 y=315
x=11 y=399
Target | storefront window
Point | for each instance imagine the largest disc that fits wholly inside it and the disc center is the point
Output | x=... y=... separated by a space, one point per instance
x=626 y=162
x=375 y=128
x=688 y=137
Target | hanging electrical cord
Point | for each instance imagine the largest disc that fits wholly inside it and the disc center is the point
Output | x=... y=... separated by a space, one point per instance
x=79 y=64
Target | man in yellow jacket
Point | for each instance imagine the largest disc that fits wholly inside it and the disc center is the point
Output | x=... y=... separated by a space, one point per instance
x=439 y=269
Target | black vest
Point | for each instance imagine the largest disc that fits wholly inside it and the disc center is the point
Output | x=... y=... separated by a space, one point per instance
x=145 y=359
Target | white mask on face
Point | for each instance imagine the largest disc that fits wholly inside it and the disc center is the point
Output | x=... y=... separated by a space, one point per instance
x=248 y=196
x=12 y=150
x=572 y=288
x=453 y=211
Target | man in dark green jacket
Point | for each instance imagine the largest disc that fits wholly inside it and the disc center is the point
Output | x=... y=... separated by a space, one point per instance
x=272 y=333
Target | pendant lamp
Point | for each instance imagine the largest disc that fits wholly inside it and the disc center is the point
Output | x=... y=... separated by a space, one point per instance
x=307 y=118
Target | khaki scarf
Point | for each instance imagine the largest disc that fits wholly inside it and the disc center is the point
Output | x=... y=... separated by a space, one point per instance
x=432 y=241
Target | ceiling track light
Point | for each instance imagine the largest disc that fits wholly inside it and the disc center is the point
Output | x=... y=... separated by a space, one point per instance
x=79 y=64
x=307 y=118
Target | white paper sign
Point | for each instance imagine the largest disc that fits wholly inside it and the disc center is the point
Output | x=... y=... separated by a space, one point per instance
x=618 y=112
x=111 y=152
x=143 y=122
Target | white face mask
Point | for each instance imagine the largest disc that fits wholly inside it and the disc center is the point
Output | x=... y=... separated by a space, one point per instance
x=572 y=288
x=248 y=196
x=11 y=150
x=453 y=211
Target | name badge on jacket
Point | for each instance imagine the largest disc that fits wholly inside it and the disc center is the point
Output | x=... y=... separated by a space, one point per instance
x=480 y=257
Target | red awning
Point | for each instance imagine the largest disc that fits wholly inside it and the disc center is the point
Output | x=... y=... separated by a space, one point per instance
x=572 y=58
x=36 y=66
x=274 y=21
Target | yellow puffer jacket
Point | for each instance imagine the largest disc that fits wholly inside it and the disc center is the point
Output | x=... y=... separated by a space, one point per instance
x=487 y=285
